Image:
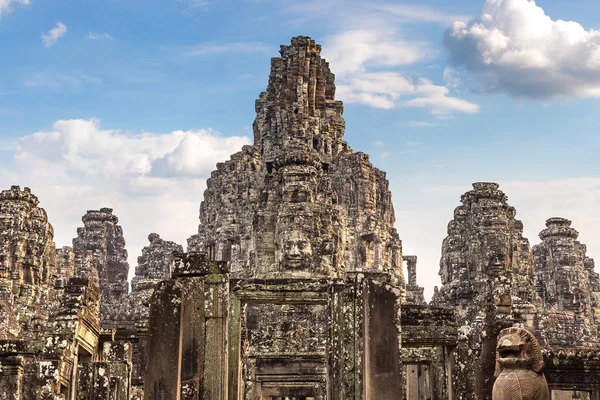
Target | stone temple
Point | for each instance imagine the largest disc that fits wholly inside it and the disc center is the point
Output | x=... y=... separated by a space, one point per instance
x=292 y=288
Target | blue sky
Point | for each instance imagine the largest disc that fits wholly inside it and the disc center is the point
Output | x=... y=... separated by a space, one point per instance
x=130 y=104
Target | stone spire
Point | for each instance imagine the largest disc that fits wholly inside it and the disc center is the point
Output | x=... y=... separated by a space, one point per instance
x=560 y=275
x=298 y=110
x=485 y=244
x=155 y=262
x=299 y=202
x=567 y=285
x=487 y=273
x=27 y=262
x=100 y=249
x=26 y=240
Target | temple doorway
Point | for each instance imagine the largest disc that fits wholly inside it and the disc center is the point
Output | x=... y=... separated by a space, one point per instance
x=418 y=382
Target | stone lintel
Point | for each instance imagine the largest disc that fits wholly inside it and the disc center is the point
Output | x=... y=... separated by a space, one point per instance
x=8 y=347
x=197 y=264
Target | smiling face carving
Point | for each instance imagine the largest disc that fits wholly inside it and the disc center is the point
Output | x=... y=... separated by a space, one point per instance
x=296 y=250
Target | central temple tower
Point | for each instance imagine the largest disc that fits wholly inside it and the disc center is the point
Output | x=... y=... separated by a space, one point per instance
x=295 y=266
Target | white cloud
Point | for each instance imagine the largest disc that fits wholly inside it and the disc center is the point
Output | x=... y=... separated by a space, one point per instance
x=451 y=78
x=99 y=36
x=422 y=124
x=55 y=80
x=5 y=5
x=154 y=182
x=390 y=89
x=514 y=47
x=50 y=38
x=355 y=50
x=367 y=62
x=192 y=4
x=218 y=48
x=437 y=99
x=412 y=13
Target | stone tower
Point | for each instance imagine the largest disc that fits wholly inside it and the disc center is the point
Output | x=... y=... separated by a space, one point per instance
x=567 y=286
x=300 y=202
x=294 y=281
x=100 y=248
x=487 y=274
x=27 y=263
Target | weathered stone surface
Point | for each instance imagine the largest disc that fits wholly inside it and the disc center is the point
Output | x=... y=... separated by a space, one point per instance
x=100 y=246
x=293 y=285
x=414 y=292
x=310 y=304
x=154 y=265
x=299 y=202
x=65 y=265
x=27 y=264
x=487 y=274
x=567 y=286
x=519 y=364
x=496 y=281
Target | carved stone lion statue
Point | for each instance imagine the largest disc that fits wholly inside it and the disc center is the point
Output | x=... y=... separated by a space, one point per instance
x=519 y=364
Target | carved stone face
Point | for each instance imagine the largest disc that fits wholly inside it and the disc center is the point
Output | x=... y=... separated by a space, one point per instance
x=497 y=257
x=497 y=263
x=296 y=250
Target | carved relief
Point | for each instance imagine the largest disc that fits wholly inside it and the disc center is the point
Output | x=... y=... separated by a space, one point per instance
x=286 y=328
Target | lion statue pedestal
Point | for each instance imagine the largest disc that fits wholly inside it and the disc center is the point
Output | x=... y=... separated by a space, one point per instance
x=519 y=364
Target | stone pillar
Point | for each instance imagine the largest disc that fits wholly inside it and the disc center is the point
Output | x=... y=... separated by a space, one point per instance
x=11 y=379
x=216 y=307
x=383 y=364
x=365 y=362
x=346 y=360
x=411 y=268
x=163 y=373
x=187 y=337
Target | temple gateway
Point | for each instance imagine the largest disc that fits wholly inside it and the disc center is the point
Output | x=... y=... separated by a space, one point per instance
x=293 y=288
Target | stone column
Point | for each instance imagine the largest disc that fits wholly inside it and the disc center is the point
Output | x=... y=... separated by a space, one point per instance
x=11 y=379
x=163 y=373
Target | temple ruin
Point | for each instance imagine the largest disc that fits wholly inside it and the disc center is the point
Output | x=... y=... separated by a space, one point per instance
x=292 y=288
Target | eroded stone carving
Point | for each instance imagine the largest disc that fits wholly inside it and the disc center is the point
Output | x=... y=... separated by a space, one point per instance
x=519 y=364
x=487 y=274
x=286 y=329
x=299 y=202
x=293 y=284
x=27 y=264
x=100 y=246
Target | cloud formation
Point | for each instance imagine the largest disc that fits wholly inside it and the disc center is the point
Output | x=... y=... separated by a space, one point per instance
x=5 y=5
x=369 y=52
x=515 y=48
x=366 y=61
x=154 y=182
x=218 y=48
x=410 y=13
x=99 y=36
x=55 y=80
x=50 y=38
